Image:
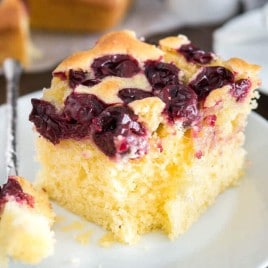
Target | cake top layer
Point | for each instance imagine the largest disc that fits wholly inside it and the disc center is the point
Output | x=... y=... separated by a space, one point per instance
x=122 y=43
x=98 y=93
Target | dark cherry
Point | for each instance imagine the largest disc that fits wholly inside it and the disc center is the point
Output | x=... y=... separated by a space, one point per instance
x=128 y=95
x=195 y=54
x=79 y=77
x=181 y=103
x=120 y=65
x=116 y=131
x=82 y=107
x=240 y=89
x=73 y=122
x=13 y=189
x=211 y=120
x=161 y=74
x=211 y=78
x=46 y=120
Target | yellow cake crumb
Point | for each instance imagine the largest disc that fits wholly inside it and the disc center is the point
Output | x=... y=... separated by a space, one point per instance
x=107 y=240
x=74 y=226
x=84 y=237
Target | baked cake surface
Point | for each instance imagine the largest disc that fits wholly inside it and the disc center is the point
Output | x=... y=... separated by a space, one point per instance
x=26 y=218
x=136 y=137
x=14 y=31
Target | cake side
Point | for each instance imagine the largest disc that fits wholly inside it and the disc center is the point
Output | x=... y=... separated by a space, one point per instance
x=166 y=122
x=26 y=218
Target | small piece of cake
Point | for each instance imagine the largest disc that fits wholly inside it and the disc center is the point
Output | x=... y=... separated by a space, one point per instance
x=14 y=32
x=26 y=218
x=137 y=138
x=77 y=15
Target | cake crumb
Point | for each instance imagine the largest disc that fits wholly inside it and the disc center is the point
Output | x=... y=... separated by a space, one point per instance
x=107 y=240
x=84 y=237
x=59 y=219
x=75 y=225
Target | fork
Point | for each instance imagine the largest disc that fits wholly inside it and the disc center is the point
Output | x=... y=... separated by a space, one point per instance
x=12 y=71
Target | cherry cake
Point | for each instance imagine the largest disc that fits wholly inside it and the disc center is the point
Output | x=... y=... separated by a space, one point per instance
x=26 y=218
x=137 y=137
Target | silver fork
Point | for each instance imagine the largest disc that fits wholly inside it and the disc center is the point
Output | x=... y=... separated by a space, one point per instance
x=12 y=72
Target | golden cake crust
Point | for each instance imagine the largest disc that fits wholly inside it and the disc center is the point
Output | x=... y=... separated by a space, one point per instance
x=123 y=42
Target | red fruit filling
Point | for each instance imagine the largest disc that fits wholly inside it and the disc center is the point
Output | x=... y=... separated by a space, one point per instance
x=161 y=74
x=211 y=78
x=195 y=54
x=120 y=65
x=240 y=89
x=72 y=122
x=115 y=128
x=128 y=95
x=181 y=103
x=13 y=190
x=81 y=78
x=116 y=131
x=115 y=65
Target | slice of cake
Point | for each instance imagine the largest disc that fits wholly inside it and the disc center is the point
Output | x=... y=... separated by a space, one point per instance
x=14 y=32
x=137 y=138
x=26 y=218
x=77 y=15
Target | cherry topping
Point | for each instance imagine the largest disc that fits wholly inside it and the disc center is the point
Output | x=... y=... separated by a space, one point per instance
x=195 y=55
x=211 y=78
x=181 y=103
x=79 y=77
x=115 y=65
x=128 y=95
x=211 y=120
x=82 y=107
x=73 y=122
x=161 y=74
x=116 y=131
x=13 y=189
x=240 y=89
x=46 y=120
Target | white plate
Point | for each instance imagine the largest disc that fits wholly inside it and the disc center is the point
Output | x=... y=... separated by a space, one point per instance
x=232 y=233
x=246 y=36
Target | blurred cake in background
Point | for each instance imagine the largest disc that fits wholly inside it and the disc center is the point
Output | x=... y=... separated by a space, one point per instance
x=14 y=31
x=77 y=15
x=18 y=17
